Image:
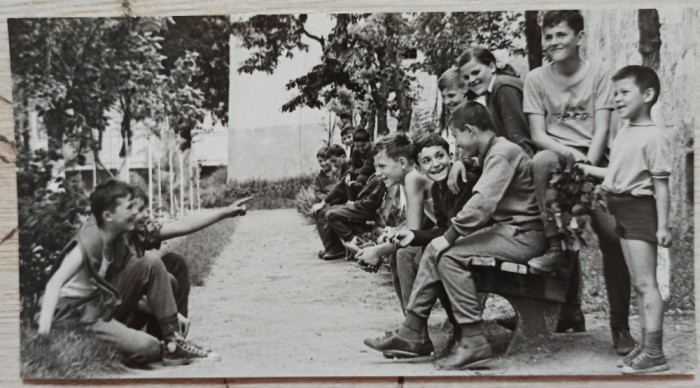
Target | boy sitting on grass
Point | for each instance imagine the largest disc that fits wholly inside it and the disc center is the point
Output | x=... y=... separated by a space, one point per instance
x=324 y=180
x=79 y=294
x=148 y=235
x=636 y=183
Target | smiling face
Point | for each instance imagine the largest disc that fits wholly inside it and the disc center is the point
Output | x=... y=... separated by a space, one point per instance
x=336 y=161
x=630 y=100
x=141 y=215
x=391 y=171
x=477 y=75
x=347 y=139
x=123 y=216
x=452 y=97
x=434 y=162
x=325 y=164
x=561 y=42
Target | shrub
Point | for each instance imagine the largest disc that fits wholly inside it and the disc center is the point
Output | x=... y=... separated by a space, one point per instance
x=47 y=220
x=268 y=194
x=303 y=202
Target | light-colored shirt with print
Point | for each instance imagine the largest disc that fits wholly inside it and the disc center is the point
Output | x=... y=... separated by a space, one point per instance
x=569 y=103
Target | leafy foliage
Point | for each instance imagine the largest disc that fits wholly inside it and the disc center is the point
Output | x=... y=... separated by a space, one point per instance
x=47 y=221
x=570 y=197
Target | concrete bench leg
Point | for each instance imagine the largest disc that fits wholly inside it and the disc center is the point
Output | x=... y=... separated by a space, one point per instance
x=535 y=319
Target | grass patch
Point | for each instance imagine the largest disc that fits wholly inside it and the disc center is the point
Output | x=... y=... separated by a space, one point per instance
x=68 y=353
x=200 y=249
x=268 y=194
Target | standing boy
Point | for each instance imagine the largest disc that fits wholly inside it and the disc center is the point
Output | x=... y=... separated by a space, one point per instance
x=636 y=183
x=501 y=219
x=78 y=294
x=568 y=103
x=324 y=180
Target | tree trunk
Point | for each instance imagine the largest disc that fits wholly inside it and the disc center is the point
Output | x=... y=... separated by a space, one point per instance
x=649 y=37
x=53 y=119
x=533 y=35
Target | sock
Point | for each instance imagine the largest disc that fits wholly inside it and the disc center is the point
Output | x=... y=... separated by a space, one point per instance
x=554 y=244
x=653 y=343
x=413 y=327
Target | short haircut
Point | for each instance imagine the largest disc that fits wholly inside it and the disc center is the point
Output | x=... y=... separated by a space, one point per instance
x=471 y=113
x=451 y=78
x=429 y=140
x=322 y=153
x=346 y=130
x=360 y=135
x=105 y=196
x=396 y=145
x=644 y=77
x=573 y=19
x=336 y=150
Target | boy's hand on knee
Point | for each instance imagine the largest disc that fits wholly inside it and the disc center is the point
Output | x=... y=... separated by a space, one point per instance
x=663 y=235
x=315 y=208
x=457 y=172
x=439 y=245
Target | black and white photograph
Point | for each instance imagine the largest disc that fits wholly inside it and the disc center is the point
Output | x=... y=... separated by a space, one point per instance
x=356 y=194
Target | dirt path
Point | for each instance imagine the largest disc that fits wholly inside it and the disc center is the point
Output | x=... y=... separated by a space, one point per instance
x=271 y=308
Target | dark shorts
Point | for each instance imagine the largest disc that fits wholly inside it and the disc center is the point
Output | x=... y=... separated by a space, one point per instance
x=635 y=217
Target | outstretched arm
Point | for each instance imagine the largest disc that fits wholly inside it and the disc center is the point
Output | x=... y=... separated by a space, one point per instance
x=69 y=266
x=201 y=220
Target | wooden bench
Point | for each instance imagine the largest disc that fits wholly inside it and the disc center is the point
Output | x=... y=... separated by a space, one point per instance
x=535 y=298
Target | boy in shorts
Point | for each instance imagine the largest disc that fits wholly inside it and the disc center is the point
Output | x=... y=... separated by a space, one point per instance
x=636 y=183
x=568 y=103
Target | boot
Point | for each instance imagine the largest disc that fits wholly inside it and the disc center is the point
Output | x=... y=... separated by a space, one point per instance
x=472 y=350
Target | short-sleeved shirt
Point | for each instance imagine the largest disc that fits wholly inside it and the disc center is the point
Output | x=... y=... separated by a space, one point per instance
x=639 y=153
x=569 y=103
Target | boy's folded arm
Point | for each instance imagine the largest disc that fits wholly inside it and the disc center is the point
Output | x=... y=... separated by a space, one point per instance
x=69 y=266
x=424 y=237
x=337 y=194
x=373 y=199
x=488 y=192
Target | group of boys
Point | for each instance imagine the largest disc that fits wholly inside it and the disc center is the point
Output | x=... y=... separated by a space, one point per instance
x=500 y=210
x=112 y=280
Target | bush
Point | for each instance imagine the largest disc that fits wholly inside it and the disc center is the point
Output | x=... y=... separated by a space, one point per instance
x=303 y=202
x=268 y=194
x=47 y=220
x=67 y=353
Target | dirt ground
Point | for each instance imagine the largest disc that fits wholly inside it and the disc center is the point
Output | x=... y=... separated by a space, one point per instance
x=271 y=308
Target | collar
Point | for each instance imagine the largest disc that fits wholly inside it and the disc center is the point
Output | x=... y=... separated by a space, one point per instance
x=490 y=88
x=482 y=157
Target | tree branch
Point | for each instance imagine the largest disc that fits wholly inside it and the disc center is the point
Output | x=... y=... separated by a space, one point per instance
x=314 y=37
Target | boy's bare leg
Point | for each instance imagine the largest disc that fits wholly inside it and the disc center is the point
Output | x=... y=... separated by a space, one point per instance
x=641 y=260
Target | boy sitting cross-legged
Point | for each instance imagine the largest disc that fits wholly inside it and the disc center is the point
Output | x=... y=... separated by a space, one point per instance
x=79 y=294
x=636 y=183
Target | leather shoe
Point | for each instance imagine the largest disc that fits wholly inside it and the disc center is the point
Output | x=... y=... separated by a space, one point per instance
x=394 y=346
x=471 y=352
x=550 y=261
x=333 y=256
x=622 y=341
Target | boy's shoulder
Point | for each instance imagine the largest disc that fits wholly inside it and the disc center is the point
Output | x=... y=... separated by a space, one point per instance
x=505 y=149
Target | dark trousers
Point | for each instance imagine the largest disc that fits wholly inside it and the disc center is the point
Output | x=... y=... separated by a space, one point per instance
x=615 y=273
x=146 y=276
x=340 y=222
x=347 y=220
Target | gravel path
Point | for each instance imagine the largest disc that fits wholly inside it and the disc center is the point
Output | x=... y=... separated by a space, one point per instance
x=272 y=309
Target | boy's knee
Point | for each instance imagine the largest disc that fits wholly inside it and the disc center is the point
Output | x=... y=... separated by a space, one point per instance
x=644 y=286
x=544 y=160
x=146 y=349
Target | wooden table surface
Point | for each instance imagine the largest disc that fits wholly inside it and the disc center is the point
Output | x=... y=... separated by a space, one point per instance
x=9 y=279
